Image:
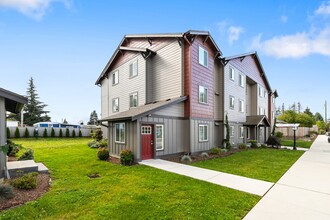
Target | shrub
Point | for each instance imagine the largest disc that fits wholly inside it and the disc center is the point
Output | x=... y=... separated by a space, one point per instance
x=28 y=181
x=313 y=132
x=67 y=132
x=279 y=134
x=126 y=157
x=52 y=133
x=103 y=142
x=205 y=154
x=253 y=143
x=92 y=134
x=103 y=153
x=45 y=135
x=26 y=133
x=274 y=141
x=27 y=155
x=80 y=134
x=61 y=133
x=223 y=150
x=8 y=133
x=263 y=146
x=214 y=150
x=242 y=146
x=322 y=131
x=186 y=159
x=98 y=135
x=73 y=133
x=17 y=134
x=12 y=148
x=6 y=192
x=94 y=144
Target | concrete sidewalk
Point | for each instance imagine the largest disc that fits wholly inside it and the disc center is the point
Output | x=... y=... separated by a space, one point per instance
x=253 y=186
x=304 y=190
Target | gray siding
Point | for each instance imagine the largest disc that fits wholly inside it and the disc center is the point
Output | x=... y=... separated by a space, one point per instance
x=2 y=135
x=218 y=134
x=173 y=110
x=263 y=102
x=218 y=91
x=164 y=73
x=195 y=144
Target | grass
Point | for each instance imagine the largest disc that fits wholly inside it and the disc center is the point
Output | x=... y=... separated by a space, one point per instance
x=262 y=164
x=299 y=143
x=136 y=192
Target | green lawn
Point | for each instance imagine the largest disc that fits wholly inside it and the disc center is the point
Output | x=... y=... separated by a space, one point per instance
x=136 y=192
x=299 y=143
x=263 y=164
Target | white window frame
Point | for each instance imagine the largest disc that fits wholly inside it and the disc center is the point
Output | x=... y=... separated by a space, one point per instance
x=133 y=69
x=115 y=77
x=121 y=141
x=146 y=129
x=232 y=131
x=131 y=97
x=261 y=91
x=273 y=115
x=241 y=105
x=113 y=104
x=203 y=99
x=205 y=128
x=201 y=56
x=273 y=99
x=159 y=148
x=241 y=80
x=231 y=73
x=241 y=132
x=231 y=102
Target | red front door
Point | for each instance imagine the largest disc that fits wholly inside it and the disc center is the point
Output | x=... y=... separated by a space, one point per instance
x=147 y=142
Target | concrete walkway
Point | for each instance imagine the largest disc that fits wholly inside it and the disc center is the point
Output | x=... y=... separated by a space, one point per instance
x=304 y=190
x=253 y=186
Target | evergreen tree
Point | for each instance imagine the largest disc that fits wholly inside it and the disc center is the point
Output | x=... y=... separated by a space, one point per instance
x=73 y=133
x=8 y=133
x=17 y=134
x=34 y=110
x=93 y=119
x=65 y=121
x=308 y=112
x=52 y=132
x=67 y=132
x=45 y=135
x=26 y=133
x=61 y=133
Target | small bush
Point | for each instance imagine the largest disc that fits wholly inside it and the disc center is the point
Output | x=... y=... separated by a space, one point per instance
x=6 y=192
x=73 y=133
x=103 y=142
x=274 y=141
x=26 y=133
x=313 y=133
x=322 y=131
x=223 y=150
x=17 y=134
x=94 y=144
x=52 y=133
x=205 y=154
x=27 y=155
x=264 y=146
x=12 y=148
x=279 y=134
x=28 y=181
x=80 y=134
x=98 y=134
x=253 y=143
x=214 y=150
x=242 y=146
x=186 y=159
x=45 y=135
x=61 y=133
x=126 y=157
x=67 y=132
x=92 y=134
x=8 y=133
x=103 y=153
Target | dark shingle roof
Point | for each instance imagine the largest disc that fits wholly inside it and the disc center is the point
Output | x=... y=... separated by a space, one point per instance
x=13 y=102
x=257 y=120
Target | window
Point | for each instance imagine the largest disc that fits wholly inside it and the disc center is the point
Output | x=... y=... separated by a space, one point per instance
x=120 y=133
x=231 y=102
x=202 y=56
x=159 y=137
x=133 y=100
x=115 y=105
x=231 y=73
x=203 y=133
x=146 y=130
x=265 y=93
x=247 y=133
x=273 y=99
x=261 y=91
x=232 y=131
x=241 y=132
x=241 y=106
x=202 y=94
x=115 y=77
x=273 y=115
x=133 y=71
x=261 y=110
x=241 y=80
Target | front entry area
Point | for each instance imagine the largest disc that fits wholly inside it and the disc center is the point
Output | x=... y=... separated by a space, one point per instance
x=147 y=142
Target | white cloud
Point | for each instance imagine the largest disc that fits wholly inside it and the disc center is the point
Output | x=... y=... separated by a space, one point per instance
x=324 y=9
x=234 y=33
x=296 y=45
x=32 y=8
x=284 y=18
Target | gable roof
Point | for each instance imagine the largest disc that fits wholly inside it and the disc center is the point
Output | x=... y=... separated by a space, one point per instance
x=256 y=120
x=254 y=54
x=13 y=102
x=147 y=52
x=143 y=110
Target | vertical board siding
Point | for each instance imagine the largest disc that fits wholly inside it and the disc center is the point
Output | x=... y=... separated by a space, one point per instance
x=3 y=136
x=196 y=145
x=164 y=73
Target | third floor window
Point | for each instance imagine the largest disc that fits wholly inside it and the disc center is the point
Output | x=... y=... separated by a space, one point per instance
x=202 y=56
x=133 y=69
x=115 y=77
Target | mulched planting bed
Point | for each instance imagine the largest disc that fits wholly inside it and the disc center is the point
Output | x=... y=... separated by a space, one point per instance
x=23 y=196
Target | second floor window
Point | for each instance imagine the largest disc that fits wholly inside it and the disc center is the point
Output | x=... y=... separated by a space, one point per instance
x=261 y=91
x=241 y=105
x=231 y=74
x=115 y=77
x=133 y=100
x=262 y=111
x=133 y=69
x=202 y=56
x=202 y=94
x=115 y=105
x=241 y=80
x=231 y=102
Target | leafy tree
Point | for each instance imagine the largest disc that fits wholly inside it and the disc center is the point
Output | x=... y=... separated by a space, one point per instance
x=291 y=116
x=93 y=118
x=34 y=110
x=318 y=117
x=322 y=125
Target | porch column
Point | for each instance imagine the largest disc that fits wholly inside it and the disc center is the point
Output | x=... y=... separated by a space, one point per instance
x=256 y=134
x=265 y=139
x=3 y=136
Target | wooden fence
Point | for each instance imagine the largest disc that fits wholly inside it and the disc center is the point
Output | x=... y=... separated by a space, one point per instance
x=300 y=132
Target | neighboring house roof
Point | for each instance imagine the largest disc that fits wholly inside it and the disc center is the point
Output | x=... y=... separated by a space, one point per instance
x=143 y=110
x=13 y=102
x=275 y=93
x=254 y=54
x=255 y=120
x=146 y=52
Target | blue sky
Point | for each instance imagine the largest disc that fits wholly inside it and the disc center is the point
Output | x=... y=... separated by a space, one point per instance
x=65 y=44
